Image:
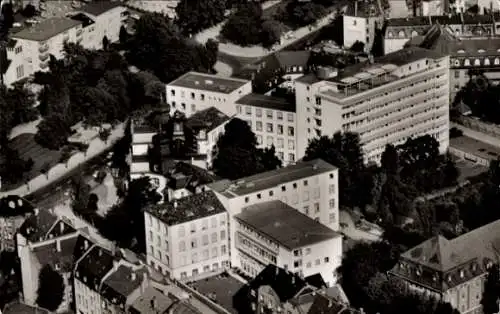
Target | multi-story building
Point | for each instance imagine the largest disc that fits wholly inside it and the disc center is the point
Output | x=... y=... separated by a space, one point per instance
x=13 y=212
x=276 y=289
x=386 y=100
x=273 y=121
x=399 y=31
x=193 y=92
x=189 y=237
x=44 y=239
x=154 y=301
x=310 y=187
x=276 y=233
x=207 y=125
x=30 y=48
x=452 y=270
x=360 y=22
x=186 y=179
x=468 y=58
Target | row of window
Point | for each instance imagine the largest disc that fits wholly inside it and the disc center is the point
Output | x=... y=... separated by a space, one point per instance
x=270 y=128
x=205 y=255
x=280 y=142
x=269 y=113
x=477 y=62
x=204 y=241
x=316 y=191
x=215 y=267
x=204 y=225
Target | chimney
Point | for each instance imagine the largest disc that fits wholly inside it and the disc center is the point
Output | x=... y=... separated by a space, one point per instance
x=37 y=211
x=58 y=246
x=133 y=276
x=86 y=245
x=61 y=226
x=100 y=252
x=293 y=279
x=175 y=204
x=153 y=303
x=277 y=270
x=330 y=303
x=356 y=8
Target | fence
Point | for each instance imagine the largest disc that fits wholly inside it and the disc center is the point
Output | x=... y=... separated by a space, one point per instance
x=479 y=126
x=96 y=147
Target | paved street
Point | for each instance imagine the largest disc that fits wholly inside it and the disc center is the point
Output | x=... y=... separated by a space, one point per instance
x=354 y=233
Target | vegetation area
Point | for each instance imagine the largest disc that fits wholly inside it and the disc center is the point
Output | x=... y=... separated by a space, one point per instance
x=50 y=289
x=10 y=282
x=481 y=97
x=236 y=154
x=194 y=16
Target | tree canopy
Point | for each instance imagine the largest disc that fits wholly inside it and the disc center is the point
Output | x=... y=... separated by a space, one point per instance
x=196 y=15
x=50 y=288
x=236 y=154
x=491 y=293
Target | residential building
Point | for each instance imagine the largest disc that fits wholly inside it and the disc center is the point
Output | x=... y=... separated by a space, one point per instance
x=360 y=22
x=452 y=270
x=189 y=237
x=30 y=48
x=323 y=303
x=273 y=121
x=193 y=92
x=187 y=179
x=207 y=125
x=275 y=233
x=44 y=239
x=468 y=58
x=13 y=212
x=386 y=100
x=154 y=301
x=400 y=30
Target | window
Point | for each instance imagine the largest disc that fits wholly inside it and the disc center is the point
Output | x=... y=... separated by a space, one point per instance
x=279 y=115
x=152 y=250
x=192 y=95
x=183 y=105
x=318 y=101
x=258 y=112
x=457 y=73
x=331 y=175
x=466 y=62
x=317 y=262
x=269 y=114
x=305 y=182
x=259 y=139
x=214 y=222
x=280 y=143
x=259 y=196
x=223 y=250
x=290 y=117
x=214 y=252
x=258 y=125
x=332 y=203
x=205 y=255
x=291 y=157
x=183 y=275
x=182 y=232
x=294 y=185
x=20 y=71
x=271 y=193
x=327 y=259
x=238 y=108
x=204 y=224
x=193 y=107
x=291 y=144
x=193 y=228
x=283 y=188
x=280 y=129
x=194 y=258
x=270 y=141
x=247 y=199
x=202 y=96
x=182 y=246
x=305 y=196
x=223 y=235
x=316 y=193
x=269 y=127
x=331 y=189
x=331 y=218
x=248 y=110
x=172 y=92
x=297 y=263
x=306 y=210
x=150 y=235
x=291 y=131
x=18 y=50
x=316 y=208
x=214 y=237
x=194 y=244
x=308 y=251
x=205 y=239
x=223 y=221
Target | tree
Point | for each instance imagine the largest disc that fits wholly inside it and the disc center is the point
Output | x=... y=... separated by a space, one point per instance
x=29 y=11
x=298 y=14
x=491 y=293
x=343 y=150
x=196 y=15
x=13 y=168
x=390 y=160
x=124 y=35
x=271 y=32
x=81 y=198
x=244 y=27
x=50 y=288
x=236 y=154
x=105 y=42
x=52 y=132
x=381 y=291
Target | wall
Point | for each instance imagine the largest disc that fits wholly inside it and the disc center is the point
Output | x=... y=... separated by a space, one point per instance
x=355 y=29
x=96 y=147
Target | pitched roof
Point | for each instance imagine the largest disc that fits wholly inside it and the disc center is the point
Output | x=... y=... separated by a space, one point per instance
x=285 y=225
x=46 y=29
x=207 y=119
x=292 y=58
x=21 y=308
x=14 y=205
x=189 y=208
x=118 y=285
x=42 y=225
x=152 y=301
x=324 y=305
x=93 y=267
x=96 y=8
x=61 y=253
x=188 y=176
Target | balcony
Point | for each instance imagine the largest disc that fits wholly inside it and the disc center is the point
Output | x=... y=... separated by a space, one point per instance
x=43 y=48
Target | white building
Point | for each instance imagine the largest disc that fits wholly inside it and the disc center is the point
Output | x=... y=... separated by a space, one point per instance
x=309 y=187
x=275 y=233
x=29 y=50
x=273 y=121
x=360 y=23
x=189 y=237
x=401 y=95
x=193 y=92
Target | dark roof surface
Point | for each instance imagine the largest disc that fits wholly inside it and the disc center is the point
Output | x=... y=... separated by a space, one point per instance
x=441 y=19
x=119 y=284
x=265 y=101
x=96 y=8
x=40 y=226
x=188 y=176
x=325 y=305
x=189 y=208
x=14 y=205
x=292 y=58
x=46 y=29
x=94 y=266
x=285 y=225
x=273 y=178
x=207 y=119
x=20 y=308
x=61 y=252
x=208 y=82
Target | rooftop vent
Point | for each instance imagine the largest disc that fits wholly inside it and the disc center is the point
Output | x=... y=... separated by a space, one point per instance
x=210 y=208
x=175 y=204
x=189 y=213
x=209 y=82
x=12 y=204
x=315 y=167
x=20 y=202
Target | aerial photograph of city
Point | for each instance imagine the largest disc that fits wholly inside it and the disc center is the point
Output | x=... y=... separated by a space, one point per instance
x=250 y=157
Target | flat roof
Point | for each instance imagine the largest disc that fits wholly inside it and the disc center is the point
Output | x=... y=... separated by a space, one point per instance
x=269 y=179
x=186 y=209
x=475 y=147
x=97 y=8
x=47 y=29
x=268 y=102
x=208 y=82
x=285 y=225
x=151 y=296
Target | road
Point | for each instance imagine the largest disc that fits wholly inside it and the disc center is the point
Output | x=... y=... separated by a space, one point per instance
x=354 y=233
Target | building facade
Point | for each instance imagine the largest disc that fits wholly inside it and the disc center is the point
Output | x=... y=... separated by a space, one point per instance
x=13 y=211
x=360 y=22
x=273 y=121
x=275 y=233
x=193 y=92
x=188 y=238
x=386 y=101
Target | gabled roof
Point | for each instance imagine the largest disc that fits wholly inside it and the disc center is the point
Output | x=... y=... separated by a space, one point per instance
x=118 y=285
x=324 y=305
x=61 y=253
x=207 y=119
x=14 y=205
x=292 y=58
x=21 y=308
x=42 y=226
x=93 y=267
x=188 y=176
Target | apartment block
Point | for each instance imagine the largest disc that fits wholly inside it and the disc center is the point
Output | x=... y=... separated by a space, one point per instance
x=310 y=187
x=29 y=49
x=188 y=238
x=13 y=211
x=44 y=239
x=453 y=270
x=387 y=100
x=193 y=92
x=273 y=120
x=360 y=22
x=275 y=233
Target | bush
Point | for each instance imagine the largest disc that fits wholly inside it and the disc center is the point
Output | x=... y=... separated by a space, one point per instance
x=454 y=132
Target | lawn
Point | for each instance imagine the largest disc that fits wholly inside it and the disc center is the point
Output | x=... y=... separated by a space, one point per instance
x=224 y=287
x=27 y=148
